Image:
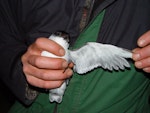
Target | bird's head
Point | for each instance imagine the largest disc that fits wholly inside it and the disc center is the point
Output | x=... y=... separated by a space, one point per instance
x=61 y=38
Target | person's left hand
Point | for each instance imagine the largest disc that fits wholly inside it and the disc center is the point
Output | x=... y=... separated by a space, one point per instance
x=141 y=55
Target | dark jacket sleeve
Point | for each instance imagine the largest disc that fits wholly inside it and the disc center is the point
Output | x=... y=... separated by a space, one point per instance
x=12 y=47
x=21 y=22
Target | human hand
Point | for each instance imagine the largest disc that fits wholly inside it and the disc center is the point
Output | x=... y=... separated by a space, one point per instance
x=45 y=72
x=141 y=55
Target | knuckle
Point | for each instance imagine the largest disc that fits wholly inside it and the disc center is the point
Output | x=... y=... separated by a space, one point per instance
x=38 y=41
x=29 y=80
x=24 y=69
x=31 y=51
x=23 y=58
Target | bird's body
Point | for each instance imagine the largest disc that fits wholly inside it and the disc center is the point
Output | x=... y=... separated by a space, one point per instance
x=57 y=93
x=89 y=56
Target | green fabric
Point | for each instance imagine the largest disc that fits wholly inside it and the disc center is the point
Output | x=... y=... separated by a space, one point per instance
x=90 y=33
x=99 y=91
x=41 y=105
x=102 y=91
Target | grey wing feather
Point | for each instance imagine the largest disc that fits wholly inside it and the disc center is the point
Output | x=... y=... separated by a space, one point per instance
x=93 y=55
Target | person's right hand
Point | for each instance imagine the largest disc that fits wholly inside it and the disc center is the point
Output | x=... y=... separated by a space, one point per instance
x=45 y=72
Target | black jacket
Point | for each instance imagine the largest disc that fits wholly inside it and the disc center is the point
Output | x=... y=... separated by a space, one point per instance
x=22 y=21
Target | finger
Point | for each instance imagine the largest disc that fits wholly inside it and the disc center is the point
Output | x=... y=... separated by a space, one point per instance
x=147 y=69
x=47 y=62
x=144 y=39
x=48 y=75
x=135 y=50
x=143 y=63
x=141 y=53
x=48 y=45
x=34 y=50
x=43 y=83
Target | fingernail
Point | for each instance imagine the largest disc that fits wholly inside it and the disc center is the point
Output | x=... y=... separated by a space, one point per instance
x=146 y=69
x=62 y=52
x=138 y=64
x=64 y=64
x=69 y=72
x=134 y=50
x=141 y=42
x=136 y=56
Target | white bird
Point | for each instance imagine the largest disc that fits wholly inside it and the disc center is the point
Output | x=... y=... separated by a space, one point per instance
x=101 y=55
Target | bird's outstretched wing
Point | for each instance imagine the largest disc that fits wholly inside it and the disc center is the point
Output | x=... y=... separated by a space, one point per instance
x=93 y=55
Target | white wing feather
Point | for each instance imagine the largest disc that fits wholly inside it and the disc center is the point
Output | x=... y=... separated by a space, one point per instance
x=94 y=55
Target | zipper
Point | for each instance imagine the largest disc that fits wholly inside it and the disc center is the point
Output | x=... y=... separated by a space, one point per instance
x=91 y=9
x=86 y=12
